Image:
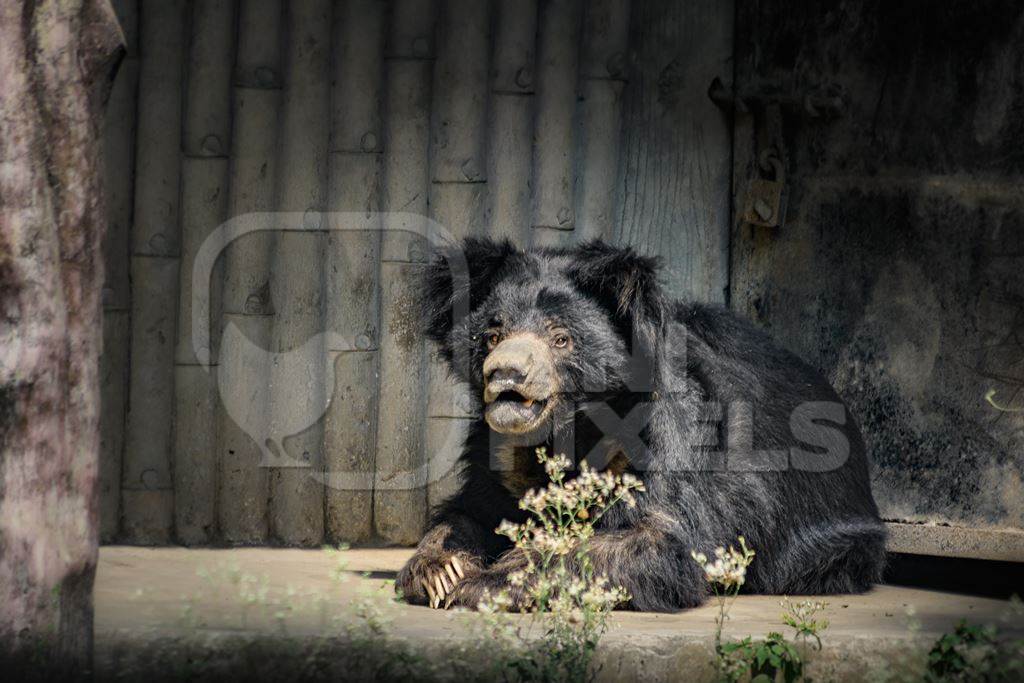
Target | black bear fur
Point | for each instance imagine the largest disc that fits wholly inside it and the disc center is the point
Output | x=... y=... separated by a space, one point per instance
x=813 y=522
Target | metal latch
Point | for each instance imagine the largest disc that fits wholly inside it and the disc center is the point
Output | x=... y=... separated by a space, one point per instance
x=766 y=197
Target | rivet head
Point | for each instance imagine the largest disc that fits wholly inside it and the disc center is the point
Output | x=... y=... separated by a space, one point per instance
x=524 y=77
x=564 y=215
x=368 y=143
x=469 y=170
x=312 y=219
x=254 y=304
x=363 y=342
x=212 y=144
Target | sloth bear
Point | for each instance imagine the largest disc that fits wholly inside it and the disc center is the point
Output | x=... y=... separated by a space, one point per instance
x=580 y=350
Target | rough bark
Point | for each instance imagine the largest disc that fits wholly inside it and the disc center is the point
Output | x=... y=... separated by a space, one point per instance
x=56 y=63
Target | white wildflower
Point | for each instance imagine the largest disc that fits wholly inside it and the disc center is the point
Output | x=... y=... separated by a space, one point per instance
x=729 y=568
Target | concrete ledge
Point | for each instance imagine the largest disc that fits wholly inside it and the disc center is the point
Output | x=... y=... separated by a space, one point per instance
x=267 y=611
x=953 y=541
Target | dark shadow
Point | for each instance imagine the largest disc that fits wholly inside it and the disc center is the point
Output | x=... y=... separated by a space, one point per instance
x=379 y=574
x=984 y=578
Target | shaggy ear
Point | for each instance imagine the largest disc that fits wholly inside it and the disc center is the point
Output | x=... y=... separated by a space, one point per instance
x=458 y=280
x=622 y=280
x=626 y=284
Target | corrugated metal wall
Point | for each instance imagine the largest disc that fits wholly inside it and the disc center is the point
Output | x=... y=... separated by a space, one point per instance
x=548 y=122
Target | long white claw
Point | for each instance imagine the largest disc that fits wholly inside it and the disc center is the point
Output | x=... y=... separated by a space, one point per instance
x=439 y=586
x=430 y=591
x=451 y=575
x=458 y=567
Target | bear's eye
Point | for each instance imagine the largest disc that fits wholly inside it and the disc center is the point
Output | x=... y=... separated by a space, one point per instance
x=560 y=341
x=492 y=339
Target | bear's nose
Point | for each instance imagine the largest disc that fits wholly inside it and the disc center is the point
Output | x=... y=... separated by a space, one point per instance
x=515 y=356
x=519 y=363
x=508 y=378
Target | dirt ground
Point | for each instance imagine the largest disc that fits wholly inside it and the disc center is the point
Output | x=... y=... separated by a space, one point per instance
x=150 y=596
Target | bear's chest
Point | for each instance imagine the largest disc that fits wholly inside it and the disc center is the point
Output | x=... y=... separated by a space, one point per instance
x=519 y=470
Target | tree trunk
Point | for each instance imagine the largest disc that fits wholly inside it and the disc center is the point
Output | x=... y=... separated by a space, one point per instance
x=56 y=62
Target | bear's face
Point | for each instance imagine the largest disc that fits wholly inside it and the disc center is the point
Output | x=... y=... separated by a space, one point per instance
x=544 y=331
x=537 y=342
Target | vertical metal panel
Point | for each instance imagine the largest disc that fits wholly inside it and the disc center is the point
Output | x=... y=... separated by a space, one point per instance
x=113 y=392
x=162 y=30
x=411 y=32
x=154 y=275
x=204 y=202
x=242 y=379
x=205 y=141
x=557 y=71
x=460 y=92
x=400 y=492
x=409 y=54
x=352 y=271
x=204 y=193
x=350 y=427
x=118 y=183
x=598 y=138
x=510 y=124
x=675 y=168
x=146 y=485
x=399 y=499
x=458 y=194
x=296 y=488
x=357 y=76
x=195 y=461
x=353 y=258
x=207 y=121
x=260 y=41
x=598 y=141
x=242 y=387
x=444 y=444
x=513 y=54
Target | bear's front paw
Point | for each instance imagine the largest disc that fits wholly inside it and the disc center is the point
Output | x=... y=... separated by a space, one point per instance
x=429 y=577
x=485 y=586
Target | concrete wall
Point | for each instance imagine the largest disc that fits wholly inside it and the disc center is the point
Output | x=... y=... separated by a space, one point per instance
x=899 y=270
